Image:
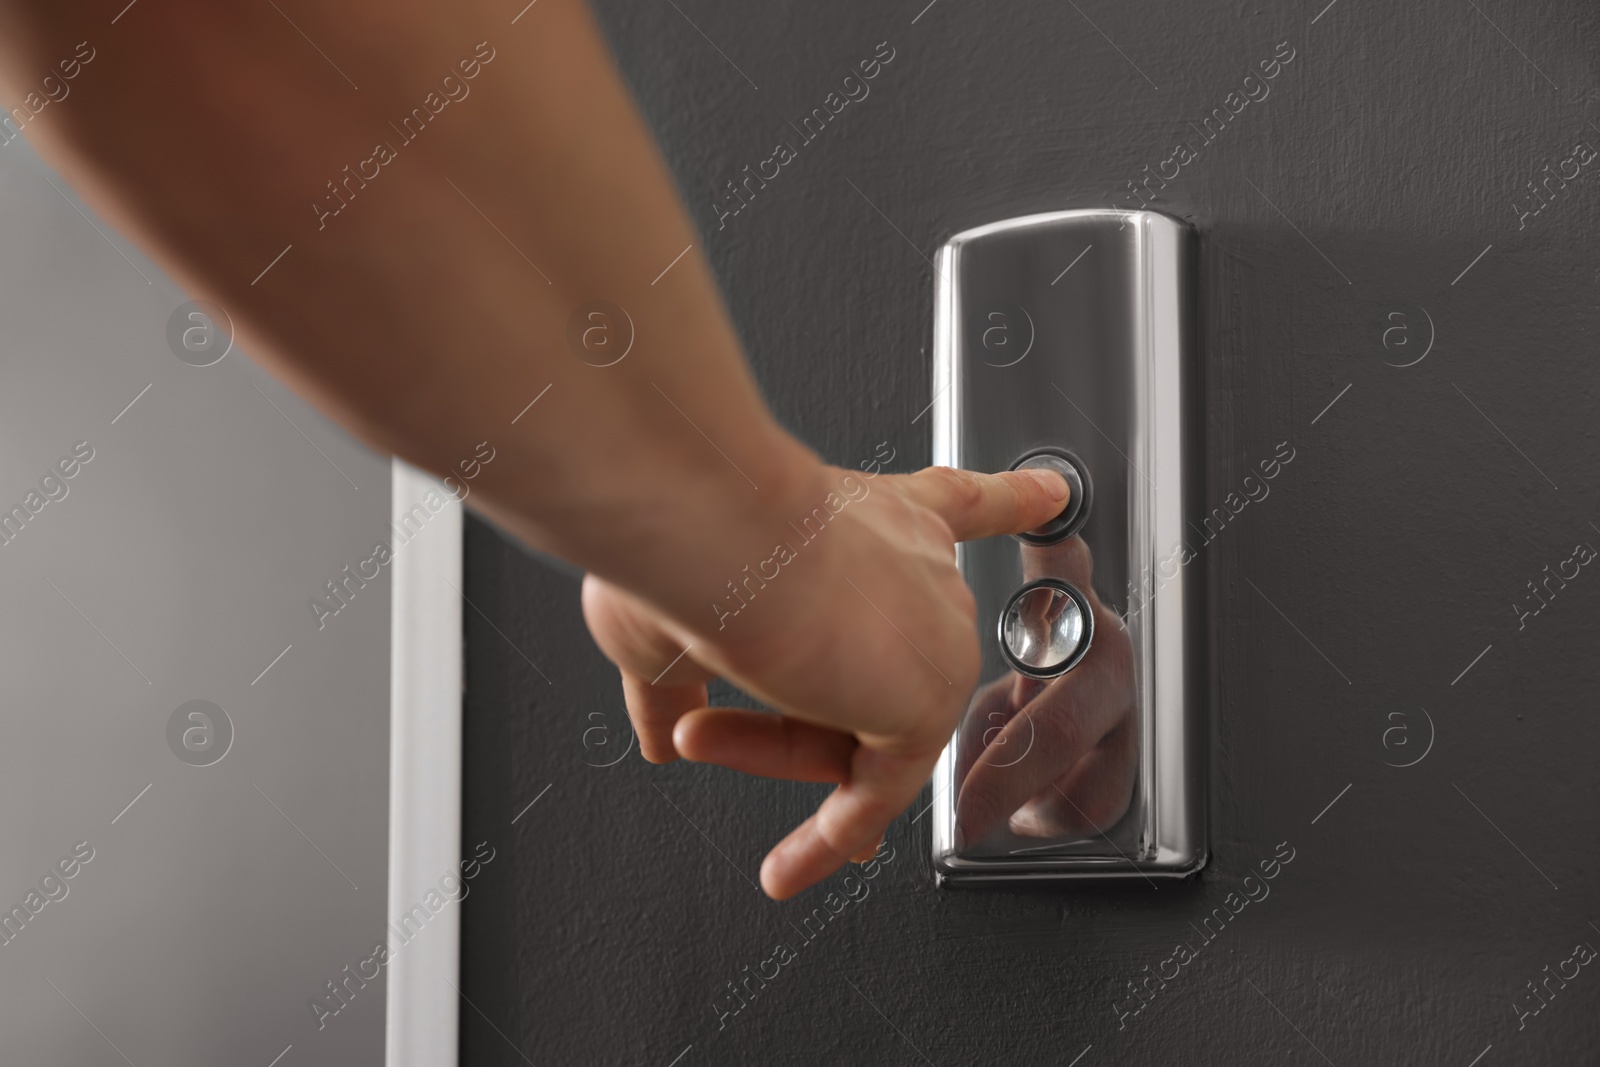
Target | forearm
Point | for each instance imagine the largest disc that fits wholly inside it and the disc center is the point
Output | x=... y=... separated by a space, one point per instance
x=417 y=271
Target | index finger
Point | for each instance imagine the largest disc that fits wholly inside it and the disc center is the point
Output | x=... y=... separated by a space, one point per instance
x=984 y=505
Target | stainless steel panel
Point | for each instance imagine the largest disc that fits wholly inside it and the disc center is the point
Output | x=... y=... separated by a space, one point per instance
x=1069 y=331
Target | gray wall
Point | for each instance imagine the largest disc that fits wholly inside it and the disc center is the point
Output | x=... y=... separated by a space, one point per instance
x=176 y=568
x=1389 y=555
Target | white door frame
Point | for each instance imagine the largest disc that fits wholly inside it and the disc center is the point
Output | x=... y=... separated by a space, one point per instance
x=425 y=684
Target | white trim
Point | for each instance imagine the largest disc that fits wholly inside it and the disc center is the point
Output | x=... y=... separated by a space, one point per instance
x=424 y=772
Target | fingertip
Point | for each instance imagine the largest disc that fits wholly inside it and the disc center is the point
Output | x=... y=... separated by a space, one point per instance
x=683 y=736
x=776 y=879
x=1052 y=484
x=697 y=738
x=798 y=862
x=710 y=735
x=656 y=751
x=658 y=757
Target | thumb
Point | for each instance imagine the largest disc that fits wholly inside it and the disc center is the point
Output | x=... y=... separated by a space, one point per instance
x=984 y=505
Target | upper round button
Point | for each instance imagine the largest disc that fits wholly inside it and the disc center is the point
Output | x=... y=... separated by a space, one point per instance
x=1076 y=513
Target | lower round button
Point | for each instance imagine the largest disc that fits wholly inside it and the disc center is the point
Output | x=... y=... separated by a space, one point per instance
x=1046 y=628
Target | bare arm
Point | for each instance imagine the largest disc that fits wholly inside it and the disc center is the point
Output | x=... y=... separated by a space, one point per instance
x=212 y=132
x=411 y=255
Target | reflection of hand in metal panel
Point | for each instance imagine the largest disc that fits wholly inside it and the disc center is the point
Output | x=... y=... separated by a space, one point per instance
x=1053 y=758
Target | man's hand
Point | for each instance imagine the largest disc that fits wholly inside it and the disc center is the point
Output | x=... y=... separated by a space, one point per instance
x=857 y=628
x=438 y=305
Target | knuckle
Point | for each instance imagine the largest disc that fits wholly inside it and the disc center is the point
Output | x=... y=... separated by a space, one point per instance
x=846 y=828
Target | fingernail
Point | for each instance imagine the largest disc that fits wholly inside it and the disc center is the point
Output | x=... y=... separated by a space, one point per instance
x=1050 y=482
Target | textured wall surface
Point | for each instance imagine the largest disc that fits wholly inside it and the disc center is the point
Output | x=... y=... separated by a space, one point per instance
x=1372 y=610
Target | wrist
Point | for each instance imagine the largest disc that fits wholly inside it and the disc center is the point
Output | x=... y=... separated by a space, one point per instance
x=727 y=537
x=764 y=570
x=688 y=526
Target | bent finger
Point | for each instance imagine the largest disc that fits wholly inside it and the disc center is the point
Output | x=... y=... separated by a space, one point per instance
x=635 y=638
x=849 y=824
x=978 y=505
x=761 y=743
x=655 y=710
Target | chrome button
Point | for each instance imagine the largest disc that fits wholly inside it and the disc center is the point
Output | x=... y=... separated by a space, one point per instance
x=1076 y=513
x=1046 y=628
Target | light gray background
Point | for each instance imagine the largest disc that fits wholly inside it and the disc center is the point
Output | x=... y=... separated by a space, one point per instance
x=192 y=541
